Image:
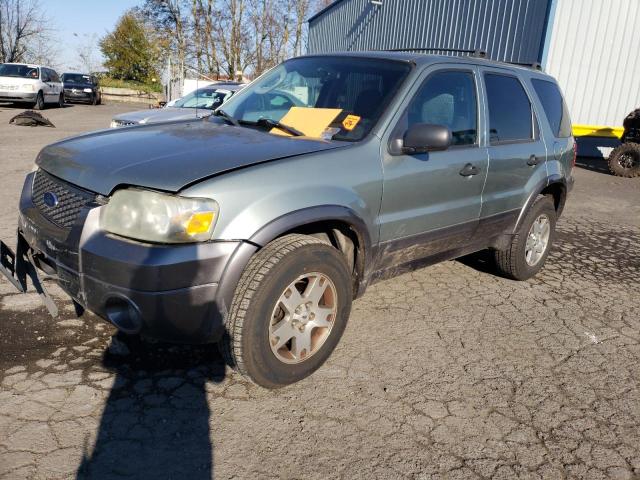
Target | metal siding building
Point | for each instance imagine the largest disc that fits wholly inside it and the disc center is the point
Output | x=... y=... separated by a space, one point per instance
x=509 y=30
x=590 y=46
x=594 y=52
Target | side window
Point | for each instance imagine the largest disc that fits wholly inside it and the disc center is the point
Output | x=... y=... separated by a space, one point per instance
x=54 y=76
x=446 y=98
x=45 y=75
x=510 y=115
x=554 y=107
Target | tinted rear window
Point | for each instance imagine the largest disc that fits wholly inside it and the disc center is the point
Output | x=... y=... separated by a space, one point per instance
x=554 y=107
x=510 y=117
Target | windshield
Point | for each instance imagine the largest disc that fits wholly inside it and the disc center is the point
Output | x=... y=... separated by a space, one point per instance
x=76 y=78
x=209 y=98
x=19 y=71
x=346 y=95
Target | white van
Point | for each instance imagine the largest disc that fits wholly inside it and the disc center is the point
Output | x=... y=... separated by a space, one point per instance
x=33 y=84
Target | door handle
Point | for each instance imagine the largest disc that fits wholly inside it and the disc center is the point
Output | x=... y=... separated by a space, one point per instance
x=533 y=160
x=469 y=170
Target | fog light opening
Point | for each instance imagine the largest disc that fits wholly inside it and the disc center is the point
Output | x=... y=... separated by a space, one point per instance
x=123 y=314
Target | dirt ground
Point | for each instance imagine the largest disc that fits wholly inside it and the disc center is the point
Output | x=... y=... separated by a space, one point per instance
x=445 y=372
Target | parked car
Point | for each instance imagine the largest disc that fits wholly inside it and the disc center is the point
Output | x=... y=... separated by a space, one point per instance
x=197 y=104
x=257 y=235
x=32 y=84
x=81 y=87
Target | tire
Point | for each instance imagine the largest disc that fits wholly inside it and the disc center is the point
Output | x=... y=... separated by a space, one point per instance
x=61 y=101
x=39 y=105
x=94 y=99
x=624 y=161
x=522 y=259
x=257 y=311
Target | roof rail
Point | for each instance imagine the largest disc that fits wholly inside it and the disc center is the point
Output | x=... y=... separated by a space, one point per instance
x=534 y=65
x=474 y=53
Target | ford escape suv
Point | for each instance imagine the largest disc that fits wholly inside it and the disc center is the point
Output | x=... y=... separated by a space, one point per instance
x=256 y=227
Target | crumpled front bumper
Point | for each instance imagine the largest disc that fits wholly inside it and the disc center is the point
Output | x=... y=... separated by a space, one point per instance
x=169 y=292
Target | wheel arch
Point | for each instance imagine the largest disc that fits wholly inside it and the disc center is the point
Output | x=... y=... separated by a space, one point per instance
x=341 y=224
x=555 y=186
x=338 y=224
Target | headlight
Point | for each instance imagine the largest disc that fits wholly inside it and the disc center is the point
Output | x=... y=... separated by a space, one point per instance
x=114 y=124
x=28 y=87
x=159 y=217
x=87 y=90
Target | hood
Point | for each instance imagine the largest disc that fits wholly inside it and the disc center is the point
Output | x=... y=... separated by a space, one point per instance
x=166 y=156
x=17 y=80
x=77 y=85
x=166 y=114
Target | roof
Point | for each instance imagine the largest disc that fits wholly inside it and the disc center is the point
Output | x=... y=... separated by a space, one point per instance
x=423 y=58
x=325 y=9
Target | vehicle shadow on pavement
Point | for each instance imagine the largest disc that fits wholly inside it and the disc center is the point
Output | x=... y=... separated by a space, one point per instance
x=481 y=261
x=155 y=423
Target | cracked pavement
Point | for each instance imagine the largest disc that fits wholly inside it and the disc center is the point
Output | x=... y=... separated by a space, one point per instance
x=444 y=372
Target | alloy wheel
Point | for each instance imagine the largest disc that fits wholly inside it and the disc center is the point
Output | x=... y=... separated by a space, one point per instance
x=303 y=317
x=537 y=240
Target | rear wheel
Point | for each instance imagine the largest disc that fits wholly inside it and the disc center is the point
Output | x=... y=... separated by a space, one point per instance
x=39 y=105
x=61 y=101
x=289 y=311
x=526 y=254
x=624 y=160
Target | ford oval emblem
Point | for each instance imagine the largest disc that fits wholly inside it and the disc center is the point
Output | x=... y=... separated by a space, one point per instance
x=50 y=199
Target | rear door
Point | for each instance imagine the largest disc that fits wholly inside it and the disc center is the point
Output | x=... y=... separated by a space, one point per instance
x=430 y=203
x=517 y=151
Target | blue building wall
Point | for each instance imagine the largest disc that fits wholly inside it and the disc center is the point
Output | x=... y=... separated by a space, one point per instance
x=508 y=30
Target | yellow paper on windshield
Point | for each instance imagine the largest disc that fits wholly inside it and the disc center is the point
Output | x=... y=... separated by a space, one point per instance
x=310 y=121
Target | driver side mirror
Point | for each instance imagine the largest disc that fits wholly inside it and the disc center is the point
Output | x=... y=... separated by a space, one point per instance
x=426 y=137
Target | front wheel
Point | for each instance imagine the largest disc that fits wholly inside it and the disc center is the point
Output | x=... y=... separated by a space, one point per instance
x=39 y=105
x=529 y=247
x=289 y=311
x=624 y=161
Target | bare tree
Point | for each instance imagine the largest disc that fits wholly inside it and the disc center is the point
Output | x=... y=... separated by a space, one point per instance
x=223 y=37
x=23 y=31
x=170 y=17
x=87 y=52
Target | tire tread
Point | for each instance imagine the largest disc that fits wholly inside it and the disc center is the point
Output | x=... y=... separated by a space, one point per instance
x=258 y=268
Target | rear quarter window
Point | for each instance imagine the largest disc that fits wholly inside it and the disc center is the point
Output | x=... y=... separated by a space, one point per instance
x=554 y=107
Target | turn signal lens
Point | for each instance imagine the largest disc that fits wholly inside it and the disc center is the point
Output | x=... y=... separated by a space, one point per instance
x=199 y=223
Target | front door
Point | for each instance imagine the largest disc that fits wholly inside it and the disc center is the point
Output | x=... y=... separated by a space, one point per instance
x=48 y=90
x=431 y=201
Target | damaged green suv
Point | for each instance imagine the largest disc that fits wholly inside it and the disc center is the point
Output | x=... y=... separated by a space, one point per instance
x=257 y=226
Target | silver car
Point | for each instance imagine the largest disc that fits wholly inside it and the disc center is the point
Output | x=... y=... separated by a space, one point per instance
x=197 y=104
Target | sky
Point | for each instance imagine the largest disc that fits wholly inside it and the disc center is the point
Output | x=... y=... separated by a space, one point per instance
x=87 y=19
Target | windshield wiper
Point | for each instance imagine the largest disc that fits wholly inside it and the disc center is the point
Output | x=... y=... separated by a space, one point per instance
x=227 y=117
x=268 y=122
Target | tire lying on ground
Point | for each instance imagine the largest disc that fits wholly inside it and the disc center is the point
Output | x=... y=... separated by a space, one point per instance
x=289 y=311
x=624 y=160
